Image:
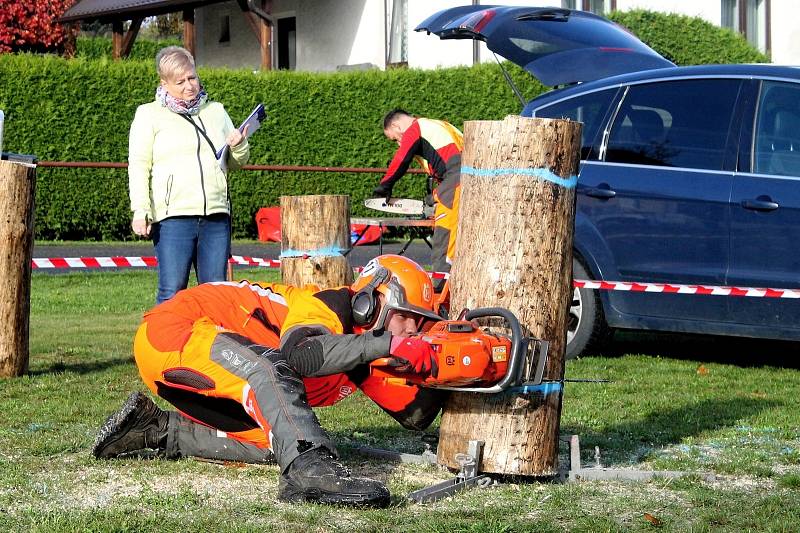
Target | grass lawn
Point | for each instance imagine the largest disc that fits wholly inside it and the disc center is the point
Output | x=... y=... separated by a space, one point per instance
x=724 y=406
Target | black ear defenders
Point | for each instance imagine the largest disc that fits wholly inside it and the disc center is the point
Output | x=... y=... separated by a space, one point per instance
x=365 y=302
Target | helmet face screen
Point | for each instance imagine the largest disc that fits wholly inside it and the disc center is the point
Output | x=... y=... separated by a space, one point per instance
x=422 y=323
x=394 y=299
x=425 y=323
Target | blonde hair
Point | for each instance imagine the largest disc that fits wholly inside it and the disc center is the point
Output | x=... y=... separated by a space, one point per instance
x=172 y=60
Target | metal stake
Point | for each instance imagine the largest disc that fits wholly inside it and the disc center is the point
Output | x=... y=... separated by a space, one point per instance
x=466 y=478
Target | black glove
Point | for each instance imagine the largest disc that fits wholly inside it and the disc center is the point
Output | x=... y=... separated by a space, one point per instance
x=382 y=191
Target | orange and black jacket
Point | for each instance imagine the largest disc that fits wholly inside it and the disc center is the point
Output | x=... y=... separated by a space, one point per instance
x=435 y=144
x=313 y=329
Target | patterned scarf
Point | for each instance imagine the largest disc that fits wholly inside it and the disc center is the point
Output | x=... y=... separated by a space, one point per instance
x=184 y=107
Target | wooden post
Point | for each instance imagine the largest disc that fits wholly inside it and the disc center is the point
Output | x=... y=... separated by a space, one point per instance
x=265 y=43
x=116 y=39
x=261 y=29
x=130 y=37
x=189 y=31
x=315 y=231
x=514 y=250
x=17 y=186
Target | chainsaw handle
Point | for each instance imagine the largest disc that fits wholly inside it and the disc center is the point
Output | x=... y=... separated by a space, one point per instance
x=482 y=312
x=519 y=343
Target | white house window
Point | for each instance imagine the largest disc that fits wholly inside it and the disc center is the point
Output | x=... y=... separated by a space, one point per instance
x=598 y=7
x=396 y=31
x=750 y=18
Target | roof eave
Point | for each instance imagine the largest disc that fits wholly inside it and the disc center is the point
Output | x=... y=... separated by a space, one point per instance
x=111 y=14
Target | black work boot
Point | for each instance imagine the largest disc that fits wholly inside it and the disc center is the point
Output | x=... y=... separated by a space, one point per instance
x=138 y=425
x=316 y=476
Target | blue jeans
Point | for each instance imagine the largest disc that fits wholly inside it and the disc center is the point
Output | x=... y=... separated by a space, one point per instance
x=181 y=242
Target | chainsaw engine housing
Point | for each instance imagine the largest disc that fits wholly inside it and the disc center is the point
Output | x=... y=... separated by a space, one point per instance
x=465 y=354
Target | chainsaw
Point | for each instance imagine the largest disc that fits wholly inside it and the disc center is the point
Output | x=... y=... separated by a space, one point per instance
x=474 y=360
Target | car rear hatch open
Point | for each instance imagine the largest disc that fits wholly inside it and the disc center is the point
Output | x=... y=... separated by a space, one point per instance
x=558 y=46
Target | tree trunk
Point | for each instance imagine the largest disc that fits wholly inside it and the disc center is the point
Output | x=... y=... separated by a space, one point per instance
x=315 y=231
x=17 y=186
x=514 y=250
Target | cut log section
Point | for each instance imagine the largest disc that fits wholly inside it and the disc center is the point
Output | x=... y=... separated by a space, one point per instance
x=514 y=250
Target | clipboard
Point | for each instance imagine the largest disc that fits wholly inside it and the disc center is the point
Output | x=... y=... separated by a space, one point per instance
x=254 y=120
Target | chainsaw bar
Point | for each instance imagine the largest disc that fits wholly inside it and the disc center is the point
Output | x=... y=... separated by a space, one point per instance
x=400 y=206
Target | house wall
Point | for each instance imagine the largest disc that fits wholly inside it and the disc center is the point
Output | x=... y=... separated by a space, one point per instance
x=241 y=52
x=785 y=32
x=340 y=33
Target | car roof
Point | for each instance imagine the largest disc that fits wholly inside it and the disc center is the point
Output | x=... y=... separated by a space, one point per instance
x=749 y=71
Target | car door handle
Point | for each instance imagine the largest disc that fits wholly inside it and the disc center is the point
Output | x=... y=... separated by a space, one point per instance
x=760 y=204
x=604 y=192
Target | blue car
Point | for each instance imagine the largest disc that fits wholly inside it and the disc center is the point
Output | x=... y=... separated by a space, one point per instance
x=689 y=175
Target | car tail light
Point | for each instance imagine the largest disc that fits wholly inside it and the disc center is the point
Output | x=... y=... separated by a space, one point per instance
x=477 y=21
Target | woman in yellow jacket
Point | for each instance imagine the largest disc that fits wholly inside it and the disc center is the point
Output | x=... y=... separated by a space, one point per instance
x=178 y=190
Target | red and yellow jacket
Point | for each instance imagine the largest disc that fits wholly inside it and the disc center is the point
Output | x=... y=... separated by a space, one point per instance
x=435 y=144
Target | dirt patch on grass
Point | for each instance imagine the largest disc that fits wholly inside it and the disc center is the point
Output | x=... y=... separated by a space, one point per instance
x=74 y=484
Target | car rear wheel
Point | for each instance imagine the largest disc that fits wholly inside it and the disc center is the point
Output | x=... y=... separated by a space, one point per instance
x=586 y=324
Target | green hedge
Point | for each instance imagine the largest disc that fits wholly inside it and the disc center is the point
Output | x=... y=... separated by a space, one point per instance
x=688 y=40
x=81 y=109
x=100 y=48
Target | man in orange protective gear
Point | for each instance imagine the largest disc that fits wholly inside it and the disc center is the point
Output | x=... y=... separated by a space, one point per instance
x=436 y=145
x=244 y=363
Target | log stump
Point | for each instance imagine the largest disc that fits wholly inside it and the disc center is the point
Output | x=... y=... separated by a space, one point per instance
x=514 y=250
x=315 y=233
x=17 y=187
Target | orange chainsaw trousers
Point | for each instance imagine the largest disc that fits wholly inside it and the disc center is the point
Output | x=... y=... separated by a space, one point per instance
x=223 y=380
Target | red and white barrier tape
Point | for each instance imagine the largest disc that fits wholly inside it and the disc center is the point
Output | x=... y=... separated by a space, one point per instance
x=93 y=262
x=254 y=261
x=672 y=288
x=148 y=261
x=668 y=288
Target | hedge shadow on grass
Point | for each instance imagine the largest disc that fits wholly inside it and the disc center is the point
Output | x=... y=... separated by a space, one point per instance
x=739 y=351
x=631 y=441
x=82 y=368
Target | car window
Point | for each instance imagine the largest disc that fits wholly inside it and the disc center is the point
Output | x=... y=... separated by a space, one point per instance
x=589 y=108
x=777 y=143
x=675 y=124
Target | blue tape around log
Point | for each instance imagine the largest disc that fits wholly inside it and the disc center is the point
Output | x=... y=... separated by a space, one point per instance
x=543 y=388
x=539 y=173
x=331 y=251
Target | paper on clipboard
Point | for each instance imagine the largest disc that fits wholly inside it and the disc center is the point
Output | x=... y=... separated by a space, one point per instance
x=255 y=119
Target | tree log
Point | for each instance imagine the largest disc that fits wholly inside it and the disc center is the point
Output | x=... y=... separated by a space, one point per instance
x=315 y=231
x=17 y=186
x=514 y=250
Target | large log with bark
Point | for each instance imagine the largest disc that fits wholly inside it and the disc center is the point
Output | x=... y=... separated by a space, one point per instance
x=514 y=250
x=315 y=233
x=17 y=187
